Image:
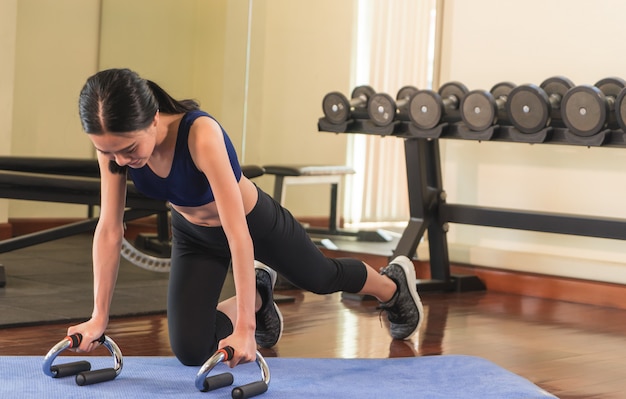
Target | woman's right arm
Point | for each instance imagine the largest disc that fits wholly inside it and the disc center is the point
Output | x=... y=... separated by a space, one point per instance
x=107 y=243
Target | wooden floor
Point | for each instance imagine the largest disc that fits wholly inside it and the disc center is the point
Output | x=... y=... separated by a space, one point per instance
x=573 y=351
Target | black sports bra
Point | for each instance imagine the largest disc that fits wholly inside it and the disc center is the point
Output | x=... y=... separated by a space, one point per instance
x=185 y=185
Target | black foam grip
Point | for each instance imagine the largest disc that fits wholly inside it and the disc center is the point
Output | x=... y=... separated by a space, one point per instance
x=217 y=381
x=249 y=390
x=95 y=376
x=230 y=352
x=63 y=370
x=75 y=340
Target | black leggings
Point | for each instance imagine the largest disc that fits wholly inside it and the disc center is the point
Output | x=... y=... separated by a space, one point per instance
x=200 y=261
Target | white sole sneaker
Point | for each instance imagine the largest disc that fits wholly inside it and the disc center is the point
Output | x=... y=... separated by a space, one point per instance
x=273 y=277
x=411 y=280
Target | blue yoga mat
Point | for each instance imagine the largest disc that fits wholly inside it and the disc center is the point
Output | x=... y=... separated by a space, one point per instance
x=432 y=377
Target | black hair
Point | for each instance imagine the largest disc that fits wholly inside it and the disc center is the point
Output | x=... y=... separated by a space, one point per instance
x=119 y=100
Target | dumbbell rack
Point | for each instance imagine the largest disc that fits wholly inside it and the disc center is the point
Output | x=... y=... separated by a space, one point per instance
x=430 y=212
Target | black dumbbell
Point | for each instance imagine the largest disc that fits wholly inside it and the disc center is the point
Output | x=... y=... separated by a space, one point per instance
x=531 y=108
x=587 y=110
x=620 y=109
x=337 y=109
x=481 y=109
x=429 y=108
x=383 y=110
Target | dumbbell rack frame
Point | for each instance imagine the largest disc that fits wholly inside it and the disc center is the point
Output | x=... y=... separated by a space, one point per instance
x=430 y=212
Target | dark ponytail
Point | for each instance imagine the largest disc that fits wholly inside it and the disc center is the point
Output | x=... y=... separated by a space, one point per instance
x=169 y=105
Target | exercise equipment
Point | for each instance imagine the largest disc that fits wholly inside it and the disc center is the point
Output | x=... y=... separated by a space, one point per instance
x=481 y=109
x=49 y=174
x=429 y=108
x=383 y=110
x=82 y=369
x=620 y=109
x=205 y=383
x=338 y=109
x=587 y=110
x=556 y=87
x=138 y=257
x=430 y=211
x=151 y=377
x=66 y=189
x=532 y=108
x=73 y=181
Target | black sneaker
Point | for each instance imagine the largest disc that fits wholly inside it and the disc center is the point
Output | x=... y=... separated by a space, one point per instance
x=269 y=320
x=404 y=310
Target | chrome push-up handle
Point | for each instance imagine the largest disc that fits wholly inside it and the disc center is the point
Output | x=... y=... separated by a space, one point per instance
x=205 y=383
x=82 y=369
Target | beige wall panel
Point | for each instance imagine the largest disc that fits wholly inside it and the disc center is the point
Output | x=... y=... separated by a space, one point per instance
x=8 y=29
x=182 y=46
x=154 y=38
x=197 y=49
x=234 y=83
x=299 y=52
x=56 y=49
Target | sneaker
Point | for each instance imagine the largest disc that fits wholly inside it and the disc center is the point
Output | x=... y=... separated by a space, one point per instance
x=269 y=320
x=404 y=310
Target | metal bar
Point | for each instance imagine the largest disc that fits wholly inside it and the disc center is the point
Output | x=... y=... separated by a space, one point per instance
x=332 y=222
x=535 y=221
x=278 y=189
x=437 y=237
x=59 y=232
x=87 y=167
x=410 y=238
x=54 y=233
x=163 y=226
x=66 y=189
x=418 y=223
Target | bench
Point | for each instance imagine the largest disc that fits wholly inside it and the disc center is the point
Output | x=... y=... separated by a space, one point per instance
x=286 y=175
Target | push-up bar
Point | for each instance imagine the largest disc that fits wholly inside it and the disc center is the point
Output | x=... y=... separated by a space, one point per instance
x=82 y=369
x=85 y=376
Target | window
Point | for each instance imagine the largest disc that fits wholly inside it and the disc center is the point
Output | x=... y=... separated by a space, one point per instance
x=395 y=47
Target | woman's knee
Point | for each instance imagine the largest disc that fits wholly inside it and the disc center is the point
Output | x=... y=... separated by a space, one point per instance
x=193 y=342
x=192 y=353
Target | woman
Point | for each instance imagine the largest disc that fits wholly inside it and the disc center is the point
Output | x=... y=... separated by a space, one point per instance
x=175 y=152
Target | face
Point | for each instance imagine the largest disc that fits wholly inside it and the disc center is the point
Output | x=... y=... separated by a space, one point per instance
x=132 y=149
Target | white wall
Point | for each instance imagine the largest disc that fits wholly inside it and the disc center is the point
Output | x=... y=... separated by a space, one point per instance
x=487 y=41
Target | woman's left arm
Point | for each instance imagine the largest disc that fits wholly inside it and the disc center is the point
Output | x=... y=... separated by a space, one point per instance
x=208 y=150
